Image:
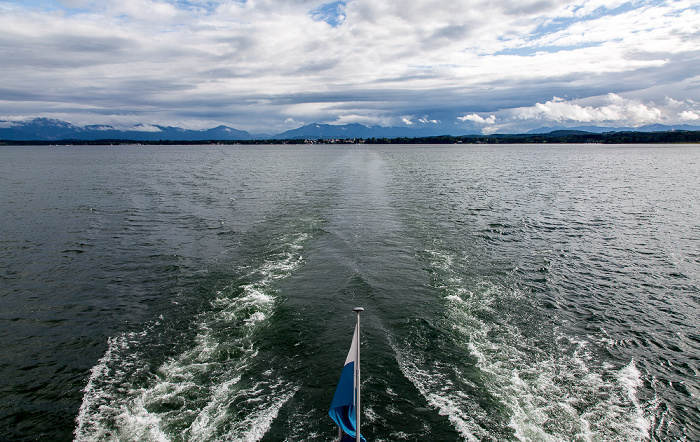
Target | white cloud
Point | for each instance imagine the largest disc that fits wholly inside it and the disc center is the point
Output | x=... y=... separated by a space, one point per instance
x=252 y=64
x=146 y=128
x=488 y=130
x=689 y=116
x=422 y=120
x=367 y=120
x=491 y=119
x=618 y=110
x=674 y=103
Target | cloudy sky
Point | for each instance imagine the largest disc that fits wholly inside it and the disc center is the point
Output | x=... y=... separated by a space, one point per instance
x=270 y=65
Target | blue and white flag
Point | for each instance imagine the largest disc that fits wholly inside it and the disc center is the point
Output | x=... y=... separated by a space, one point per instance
x=343 y=405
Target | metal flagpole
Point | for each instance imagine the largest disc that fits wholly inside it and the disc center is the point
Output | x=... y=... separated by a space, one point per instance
x=357 y=377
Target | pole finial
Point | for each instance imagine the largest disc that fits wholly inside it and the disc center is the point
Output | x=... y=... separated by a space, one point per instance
x=358 y=309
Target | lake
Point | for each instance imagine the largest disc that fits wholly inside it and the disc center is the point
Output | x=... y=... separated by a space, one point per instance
x=195 y=293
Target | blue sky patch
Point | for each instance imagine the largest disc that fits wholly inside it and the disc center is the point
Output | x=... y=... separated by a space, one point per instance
x=528 y=51
x=332 y=13
x=206 y=5
x=45 y=5
x=561 y=24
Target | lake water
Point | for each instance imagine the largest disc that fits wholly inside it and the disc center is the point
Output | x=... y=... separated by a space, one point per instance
x=194 y=293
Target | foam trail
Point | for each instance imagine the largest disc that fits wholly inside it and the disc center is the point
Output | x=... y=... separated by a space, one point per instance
x=549 y=395
x=631 y=379
x=212 y=391
x=435 y=388
x=110 y=371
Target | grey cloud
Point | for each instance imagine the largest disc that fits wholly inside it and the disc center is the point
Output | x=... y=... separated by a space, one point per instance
x=452 y=32
x=527 y=8
x=264 y=68
x=62 y=51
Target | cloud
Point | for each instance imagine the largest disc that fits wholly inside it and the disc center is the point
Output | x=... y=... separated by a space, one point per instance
x=293 y=122
x=146 y=128
x=609 y=110
x=689 y=116
x=254 y=64
x=489 y=130
x=423 y=120
x=367 y=120
x=488 y=123
x=618 y=110
x=491 y=119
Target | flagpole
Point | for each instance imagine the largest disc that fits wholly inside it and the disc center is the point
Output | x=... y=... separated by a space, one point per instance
x=357 y=377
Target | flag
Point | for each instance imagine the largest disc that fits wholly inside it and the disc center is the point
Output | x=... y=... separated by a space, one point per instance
x=343 y=405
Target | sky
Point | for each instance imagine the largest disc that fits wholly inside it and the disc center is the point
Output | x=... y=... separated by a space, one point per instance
x=267 y=66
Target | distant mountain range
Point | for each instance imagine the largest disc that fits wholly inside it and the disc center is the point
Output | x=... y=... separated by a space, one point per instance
x=46 y=129
x=601 y=130
x=355 y=130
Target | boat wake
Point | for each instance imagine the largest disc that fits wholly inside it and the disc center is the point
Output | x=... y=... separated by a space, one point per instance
x=546 y=392
x=216 y=389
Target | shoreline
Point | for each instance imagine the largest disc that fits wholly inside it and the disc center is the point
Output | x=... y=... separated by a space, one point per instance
x=666 y=137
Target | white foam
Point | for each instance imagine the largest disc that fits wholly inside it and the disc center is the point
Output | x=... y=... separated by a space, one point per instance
x=630 y=378
x=370 y=415
x=550 y=396
x=214 y=413
x=254 y=426
x=194 y=391
x=560 y=397
x=255 y=318
x=435 y=388
x=109 y=371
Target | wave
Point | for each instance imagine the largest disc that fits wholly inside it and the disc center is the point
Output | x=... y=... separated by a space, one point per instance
x=218 y=388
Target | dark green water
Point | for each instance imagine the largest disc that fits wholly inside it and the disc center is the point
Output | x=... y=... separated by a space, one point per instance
x=194 y=293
